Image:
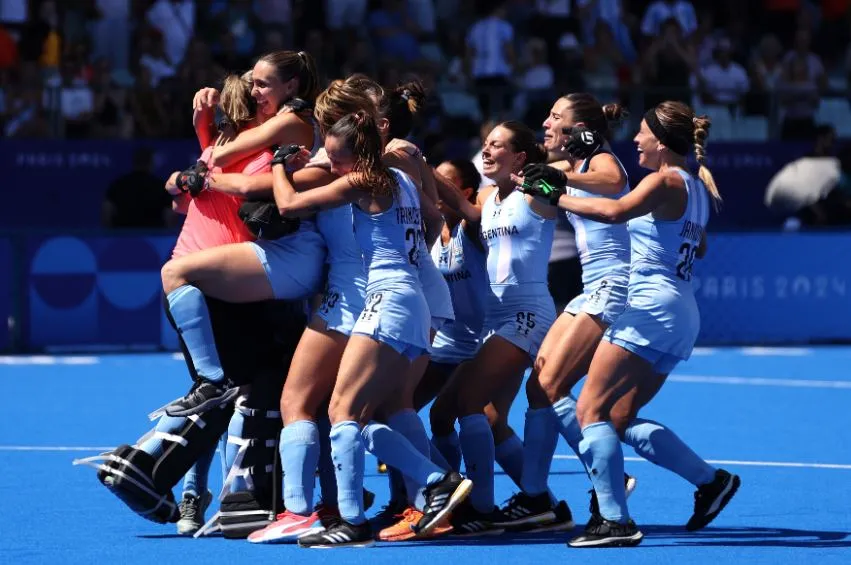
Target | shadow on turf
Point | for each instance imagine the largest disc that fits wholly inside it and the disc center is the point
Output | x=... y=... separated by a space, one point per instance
x=673 y=536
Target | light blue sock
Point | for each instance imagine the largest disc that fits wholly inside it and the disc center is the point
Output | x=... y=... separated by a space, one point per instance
x=392 y=448
x=165 y=425
x=661 y=446
x=437 y=457
x=192 y=318
x=509 y=456
x=235 y=427
x=568 y=425
x=600 y=450
x=195 y=480
x=347 y=454
x=327 y=479
x=540 y=436
x=478 y=449
x=299 y=448
x=450 y=448
x=408 y=423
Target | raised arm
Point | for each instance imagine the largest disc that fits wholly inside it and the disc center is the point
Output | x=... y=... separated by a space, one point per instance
x=277 y=130
x=652 y=192
x=453 y=198
x=259 y=187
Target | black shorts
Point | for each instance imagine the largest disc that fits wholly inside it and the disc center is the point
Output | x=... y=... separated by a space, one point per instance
x=253 y=338
x=565 y=281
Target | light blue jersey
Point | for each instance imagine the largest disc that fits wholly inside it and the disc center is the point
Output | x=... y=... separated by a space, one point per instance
x=518 y=243
x=395 y=312
x=662 y=314
x=604 y=251
x=345 y=291
x=435 y=289
x=462 y=265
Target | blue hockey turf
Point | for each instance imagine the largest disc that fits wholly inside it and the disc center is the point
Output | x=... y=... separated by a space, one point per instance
x=777 y=417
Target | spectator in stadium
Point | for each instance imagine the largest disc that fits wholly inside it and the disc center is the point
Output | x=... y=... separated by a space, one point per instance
x=723 y=81
x=491 y=59
x=668 y=65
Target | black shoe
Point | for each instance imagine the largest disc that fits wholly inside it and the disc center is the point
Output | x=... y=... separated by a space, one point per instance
x=563 y=521
x=629 y=485
x=389 y=514
x=604 y=533
x=368 y=499
x=526 y=510
x=440 y=499
x=340 y=534
x=201 y=397
x=711 y=498
x=466 y=521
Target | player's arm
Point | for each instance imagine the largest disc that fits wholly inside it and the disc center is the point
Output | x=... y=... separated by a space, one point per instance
x=455 y=199
x=259 y=187
x=604 y=176
x=287 y=126
x=295 y=204
x=650 y=194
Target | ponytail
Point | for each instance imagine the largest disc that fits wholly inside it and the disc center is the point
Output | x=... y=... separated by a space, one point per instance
x=701 y=132
x=359 y=132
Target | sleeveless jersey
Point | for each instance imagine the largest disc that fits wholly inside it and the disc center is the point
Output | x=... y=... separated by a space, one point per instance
x=663 y=252
x=462 y=265
x=518 y=242
x=389 y=240
x=604 y=249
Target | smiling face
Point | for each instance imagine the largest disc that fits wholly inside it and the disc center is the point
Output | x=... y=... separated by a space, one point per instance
x=268 y=89
x=560 y=117
x=499 y=159
x=648 y=146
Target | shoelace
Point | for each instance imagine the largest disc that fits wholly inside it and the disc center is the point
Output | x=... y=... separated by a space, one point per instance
x=189 y=507
x=411 y=516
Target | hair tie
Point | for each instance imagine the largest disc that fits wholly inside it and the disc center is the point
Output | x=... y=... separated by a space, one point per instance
x=694 y=120
x=302 y=55
x=406 y=95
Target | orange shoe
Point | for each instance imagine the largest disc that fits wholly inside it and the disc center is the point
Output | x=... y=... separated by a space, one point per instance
x=403 y=531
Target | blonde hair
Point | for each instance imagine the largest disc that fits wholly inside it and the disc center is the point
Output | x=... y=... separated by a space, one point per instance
x=236 y=102
x=342 y=98
x=681 y=121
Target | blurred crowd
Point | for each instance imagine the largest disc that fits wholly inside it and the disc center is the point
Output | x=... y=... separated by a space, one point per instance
x=129 y=68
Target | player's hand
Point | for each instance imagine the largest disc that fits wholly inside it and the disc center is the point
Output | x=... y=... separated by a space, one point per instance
x=292 y=156
x=582 y=142
x=541 y=172
x=192 y=179
x=205 y=98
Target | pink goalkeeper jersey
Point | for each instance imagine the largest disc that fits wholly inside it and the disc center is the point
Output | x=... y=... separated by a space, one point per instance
x=212 y=218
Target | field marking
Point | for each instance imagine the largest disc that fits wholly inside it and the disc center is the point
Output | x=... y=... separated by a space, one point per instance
x=776 y=351
x=786 y=464
x=49 y=360
x=790 y=464
x=759 y=381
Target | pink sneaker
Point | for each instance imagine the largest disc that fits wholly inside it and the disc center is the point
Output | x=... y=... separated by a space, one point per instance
x=287 y=528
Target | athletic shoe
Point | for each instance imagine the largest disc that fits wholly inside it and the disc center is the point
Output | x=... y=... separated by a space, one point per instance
x=192 y=509
x=604 y=533
x=440 y=499
x=389 y=514
x=630 y=483
x=287 y=528
x=341 y=534
x=466 y=521
x=711 y=498
x=403 y=529
x=524 y=509
x=201 y=397
x=368 y=499
x=563 y=521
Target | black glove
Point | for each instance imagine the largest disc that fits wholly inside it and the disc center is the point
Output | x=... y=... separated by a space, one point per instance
x=192 y=179
x=285 y=152
x=543 y=189
x=538 y=171
x=582 y=142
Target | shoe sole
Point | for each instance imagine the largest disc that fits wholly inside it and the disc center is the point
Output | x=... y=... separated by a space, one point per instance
x=364 y=543
x=205 y=406
x=285 y=538
x=621 y=541
x=461 y=493
x=722 y=500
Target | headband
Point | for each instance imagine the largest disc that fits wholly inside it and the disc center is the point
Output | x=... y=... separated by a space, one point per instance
x=676 y=143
